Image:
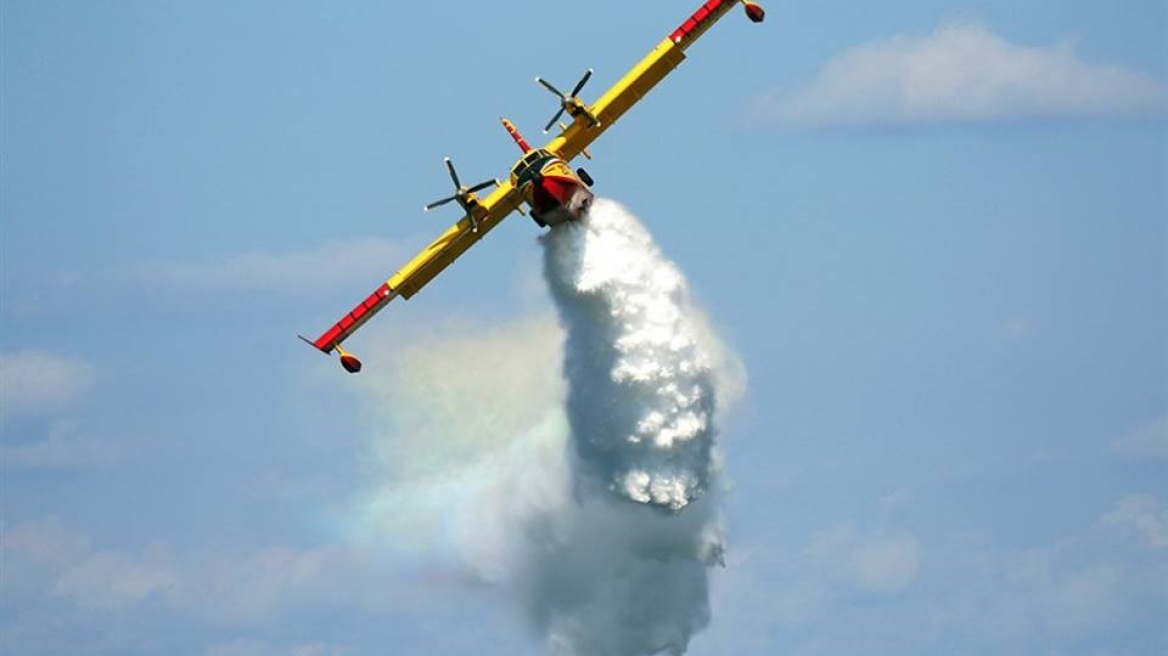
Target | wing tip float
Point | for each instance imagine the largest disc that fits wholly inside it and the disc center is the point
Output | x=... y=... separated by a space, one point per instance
x=547 y=183
x=349 y=362
x=754 y=12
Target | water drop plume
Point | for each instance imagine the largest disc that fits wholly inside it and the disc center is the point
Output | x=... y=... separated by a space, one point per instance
x=621 y=568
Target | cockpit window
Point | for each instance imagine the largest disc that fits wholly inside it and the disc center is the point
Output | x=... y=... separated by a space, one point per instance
x=531 y=160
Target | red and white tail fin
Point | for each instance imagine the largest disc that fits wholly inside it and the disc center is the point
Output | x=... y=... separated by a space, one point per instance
x=523 y=145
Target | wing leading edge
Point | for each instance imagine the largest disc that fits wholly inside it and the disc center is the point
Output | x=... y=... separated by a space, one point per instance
x=425 y=266
x=485 y=214
x=645 y=75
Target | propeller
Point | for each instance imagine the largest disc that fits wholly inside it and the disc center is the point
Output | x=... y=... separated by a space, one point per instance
x=461 y=193
x=567 y=102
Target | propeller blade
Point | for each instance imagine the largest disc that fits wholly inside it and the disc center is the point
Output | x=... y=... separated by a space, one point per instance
x=440 y=203
x=553 y=121
x=548 y=85
x=582 y=82
x=453 y=173
x=482 y=185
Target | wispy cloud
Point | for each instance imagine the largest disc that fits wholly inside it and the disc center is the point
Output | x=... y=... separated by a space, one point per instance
x=1104 y=583
x=884 y=564
x=46 y=542
x=332 y=264
x=963 y=73
x=248 y=647
x=112 y=581
x=1148 y=442
x=95 y=580
x=1019 y=329
x=38 y=392
x=65 y=448
x=235 y=588
x=34 y=382
x=1145 y=515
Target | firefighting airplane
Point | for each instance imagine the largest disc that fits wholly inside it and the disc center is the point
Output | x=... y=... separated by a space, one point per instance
x=542 y=178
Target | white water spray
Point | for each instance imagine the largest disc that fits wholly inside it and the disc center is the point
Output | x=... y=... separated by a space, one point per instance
x=621 y=569
x=581 y=478
x=640 y=384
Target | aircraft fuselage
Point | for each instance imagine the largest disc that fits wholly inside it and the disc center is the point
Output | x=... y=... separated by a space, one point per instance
x=555 y=193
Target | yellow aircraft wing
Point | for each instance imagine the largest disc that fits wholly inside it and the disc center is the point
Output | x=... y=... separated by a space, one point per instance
x=487 y=213
x=484 y=214
x=591 y=123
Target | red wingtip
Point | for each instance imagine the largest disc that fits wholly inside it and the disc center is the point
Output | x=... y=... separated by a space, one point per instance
x=754 y=11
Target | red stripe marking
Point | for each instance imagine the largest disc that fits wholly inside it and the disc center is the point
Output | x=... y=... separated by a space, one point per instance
x=700 y=16
x=353 y=319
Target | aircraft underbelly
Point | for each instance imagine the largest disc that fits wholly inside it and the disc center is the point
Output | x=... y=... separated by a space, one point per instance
x=560 y=199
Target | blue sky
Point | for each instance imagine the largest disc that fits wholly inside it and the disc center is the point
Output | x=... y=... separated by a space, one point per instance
x=934 y=235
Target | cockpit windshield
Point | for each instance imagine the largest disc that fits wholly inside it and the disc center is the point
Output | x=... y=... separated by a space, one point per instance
x=535 y=158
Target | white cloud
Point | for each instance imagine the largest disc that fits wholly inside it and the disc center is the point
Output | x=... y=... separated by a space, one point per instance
x=1106 y=584
x=886 y=564
x=1072 y=600
x=46 y=542
x=224 y=588
x=333 y=264
x=34 y=382
x=241 y=647
x=1019 y=329
x=317 y=649
x=112 y=581
x=98 y=580
x=250 y=588
x=963 y=72
x=246 y=647
x=38 y=384
x=1148 y=442
x=870 y=564
x=1088 y=584
x=64 y=449
x=1144 y=514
